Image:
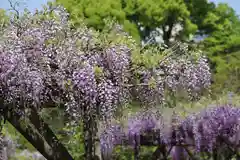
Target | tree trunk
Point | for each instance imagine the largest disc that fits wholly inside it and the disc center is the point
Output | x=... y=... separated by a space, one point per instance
x=90 y=131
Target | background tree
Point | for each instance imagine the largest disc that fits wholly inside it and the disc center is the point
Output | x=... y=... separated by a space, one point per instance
x=140 y=18
x=223 y=45
x=199 y=11
x=4 y=19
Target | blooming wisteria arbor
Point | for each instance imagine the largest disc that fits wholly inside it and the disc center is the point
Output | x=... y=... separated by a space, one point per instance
x=46 y=62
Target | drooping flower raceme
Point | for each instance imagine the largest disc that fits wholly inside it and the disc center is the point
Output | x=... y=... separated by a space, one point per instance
x=112 y=136
x=213 y=128
x=215 y=125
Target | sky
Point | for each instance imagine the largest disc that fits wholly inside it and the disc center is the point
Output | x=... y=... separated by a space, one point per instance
x=36 y=4
x=30 y=4
x=235 y=4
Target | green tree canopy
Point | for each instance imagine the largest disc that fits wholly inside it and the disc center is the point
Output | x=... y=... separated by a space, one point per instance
x=223 y=46
x=199 y=11
x=4 y=19
x=139 y=17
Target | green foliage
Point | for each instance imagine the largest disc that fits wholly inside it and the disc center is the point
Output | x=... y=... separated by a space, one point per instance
x=4 y=19
x=93 y=13
x=9 y=130
x=138 y=17
x=55 y=117
x=74 y=141
x=127 y=153
x=220 y=18
x=199 y=9
x=223 y=47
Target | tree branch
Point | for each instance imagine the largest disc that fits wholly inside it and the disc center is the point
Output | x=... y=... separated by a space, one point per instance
x=13 y=7
x=30 y=134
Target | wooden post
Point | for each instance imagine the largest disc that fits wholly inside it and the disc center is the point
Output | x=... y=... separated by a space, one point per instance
x=90 y=131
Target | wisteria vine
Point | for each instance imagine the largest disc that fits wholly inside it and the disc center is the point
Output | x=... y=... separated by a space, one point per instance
x=213 y=129
x=45 y=60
